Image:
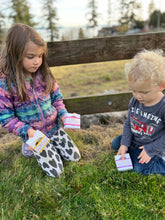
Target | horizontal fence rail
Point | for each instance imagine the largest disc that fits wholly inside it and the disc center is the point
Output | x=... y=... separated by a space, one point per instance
x=99 y=103
x=102 y=49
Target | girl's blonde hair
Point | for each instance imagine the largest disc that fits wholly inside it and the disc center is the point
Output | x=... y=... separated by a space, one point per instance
x=18 y=36
x=147 y=65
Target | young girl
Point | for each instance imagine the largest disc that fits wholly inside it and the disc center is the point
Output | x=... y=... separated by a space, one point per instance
x=144 y=129
x=30 y=98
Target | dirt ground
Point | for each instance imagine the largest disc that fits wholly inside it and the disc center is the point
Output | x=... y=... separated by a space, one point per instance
x=7 y=138
x=110 y=123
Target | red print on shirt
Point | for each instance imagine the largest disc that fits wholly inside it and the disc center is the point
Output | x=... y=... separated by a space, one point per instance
x=140 y=128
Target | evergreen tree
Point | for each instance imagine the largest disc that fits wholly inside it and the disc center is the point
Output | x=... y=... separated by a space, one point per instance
x=109 y=12
x=127 y=11
x=50 y=16
x=20 y=12
x=157 y=19
x=93 y=15
x=151 y=7
x=81 y=34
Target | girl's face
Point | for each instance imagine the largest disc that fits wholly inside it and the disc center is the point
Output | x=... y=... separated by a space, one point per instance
x=32 y=59
x=145 y=92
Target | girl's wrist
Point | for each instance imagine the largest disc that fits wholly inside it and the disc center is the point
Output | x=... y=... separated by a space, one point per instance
x=62 y=119
x=30 y=132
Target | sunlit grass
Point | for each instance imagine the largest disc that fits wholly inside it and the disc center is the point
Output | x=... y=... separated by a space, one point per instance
x=91 y=189
x=87 y=190
x=91 y=79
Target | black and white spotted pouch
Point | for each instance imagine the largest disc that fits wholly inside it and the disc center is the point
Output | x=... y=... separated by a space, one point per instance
x=46 y=155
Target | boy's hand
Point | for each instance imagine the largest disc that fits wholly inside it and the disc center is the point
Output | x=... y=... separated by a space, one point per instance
x=143 y=156
x=122 y=150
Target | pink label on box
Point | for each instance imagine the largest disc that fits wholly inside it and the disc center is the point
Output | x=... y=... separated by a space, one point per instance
x=72 y=121
x=123 y=165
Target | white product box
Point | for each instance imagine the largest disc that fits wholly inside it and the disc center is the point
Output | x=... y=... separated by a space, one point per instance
x=123 y=165
x=72 y=121
x=38 y=142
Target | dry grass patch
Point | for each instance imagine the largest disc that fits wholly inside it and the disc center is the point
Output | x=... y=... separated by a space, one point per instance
x=91 y=142
x=90 y=79
x=95 y=140
x=7 y=139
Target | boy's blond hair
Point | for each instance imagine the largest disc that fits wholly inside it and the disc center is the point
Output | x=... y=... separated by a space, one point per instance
x=147 y=65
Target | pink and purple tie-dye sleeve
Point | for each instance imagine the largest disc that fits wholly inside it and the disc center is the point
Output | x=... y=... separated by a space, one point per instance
x=57 y=101
x=8 y=119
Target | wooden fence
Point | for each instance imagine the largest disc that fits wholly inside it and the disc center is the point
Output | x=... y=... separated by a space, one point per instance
x=99 y=50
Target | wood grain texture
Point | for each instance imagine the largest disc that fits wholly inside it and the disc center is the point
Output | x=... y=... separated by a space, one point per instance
x=102 y=49
x=98 y=104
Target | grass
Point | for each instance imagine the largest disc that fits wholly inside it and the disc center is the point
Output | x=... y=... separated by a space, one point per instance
x=91 y=79
x=91 y=189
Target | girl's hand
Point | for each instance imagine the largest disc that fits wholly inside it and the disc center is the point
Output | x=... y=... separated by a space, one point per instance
x=122 y=150
x=143 y=157
x=30 y=133
x=62 y=119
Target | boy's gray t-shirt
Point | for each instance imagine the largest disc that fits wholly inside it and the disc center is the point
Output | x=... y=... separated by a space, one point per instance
x=145 y=126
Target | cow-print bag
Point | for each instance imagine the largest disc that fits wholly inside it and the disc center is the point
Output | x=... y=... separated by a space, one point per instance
x=60 y=145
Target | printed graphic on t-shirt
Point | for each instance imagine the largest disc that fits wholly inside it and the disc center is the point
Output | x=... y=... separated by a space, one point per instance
x=149 y=116
x=140 y=128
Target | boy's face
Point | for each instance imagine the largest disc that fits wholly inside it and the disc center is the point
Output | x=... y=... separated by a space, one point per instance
x=32 y=59
x=145 y=92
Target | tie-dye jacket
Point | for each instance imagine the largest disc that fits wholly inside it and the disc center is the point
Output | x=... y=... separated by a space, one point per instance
x=40 y=112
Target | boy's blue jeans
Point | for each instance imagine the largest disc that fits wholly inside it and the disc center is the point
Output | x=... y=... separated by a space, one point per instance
x=155 y=165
